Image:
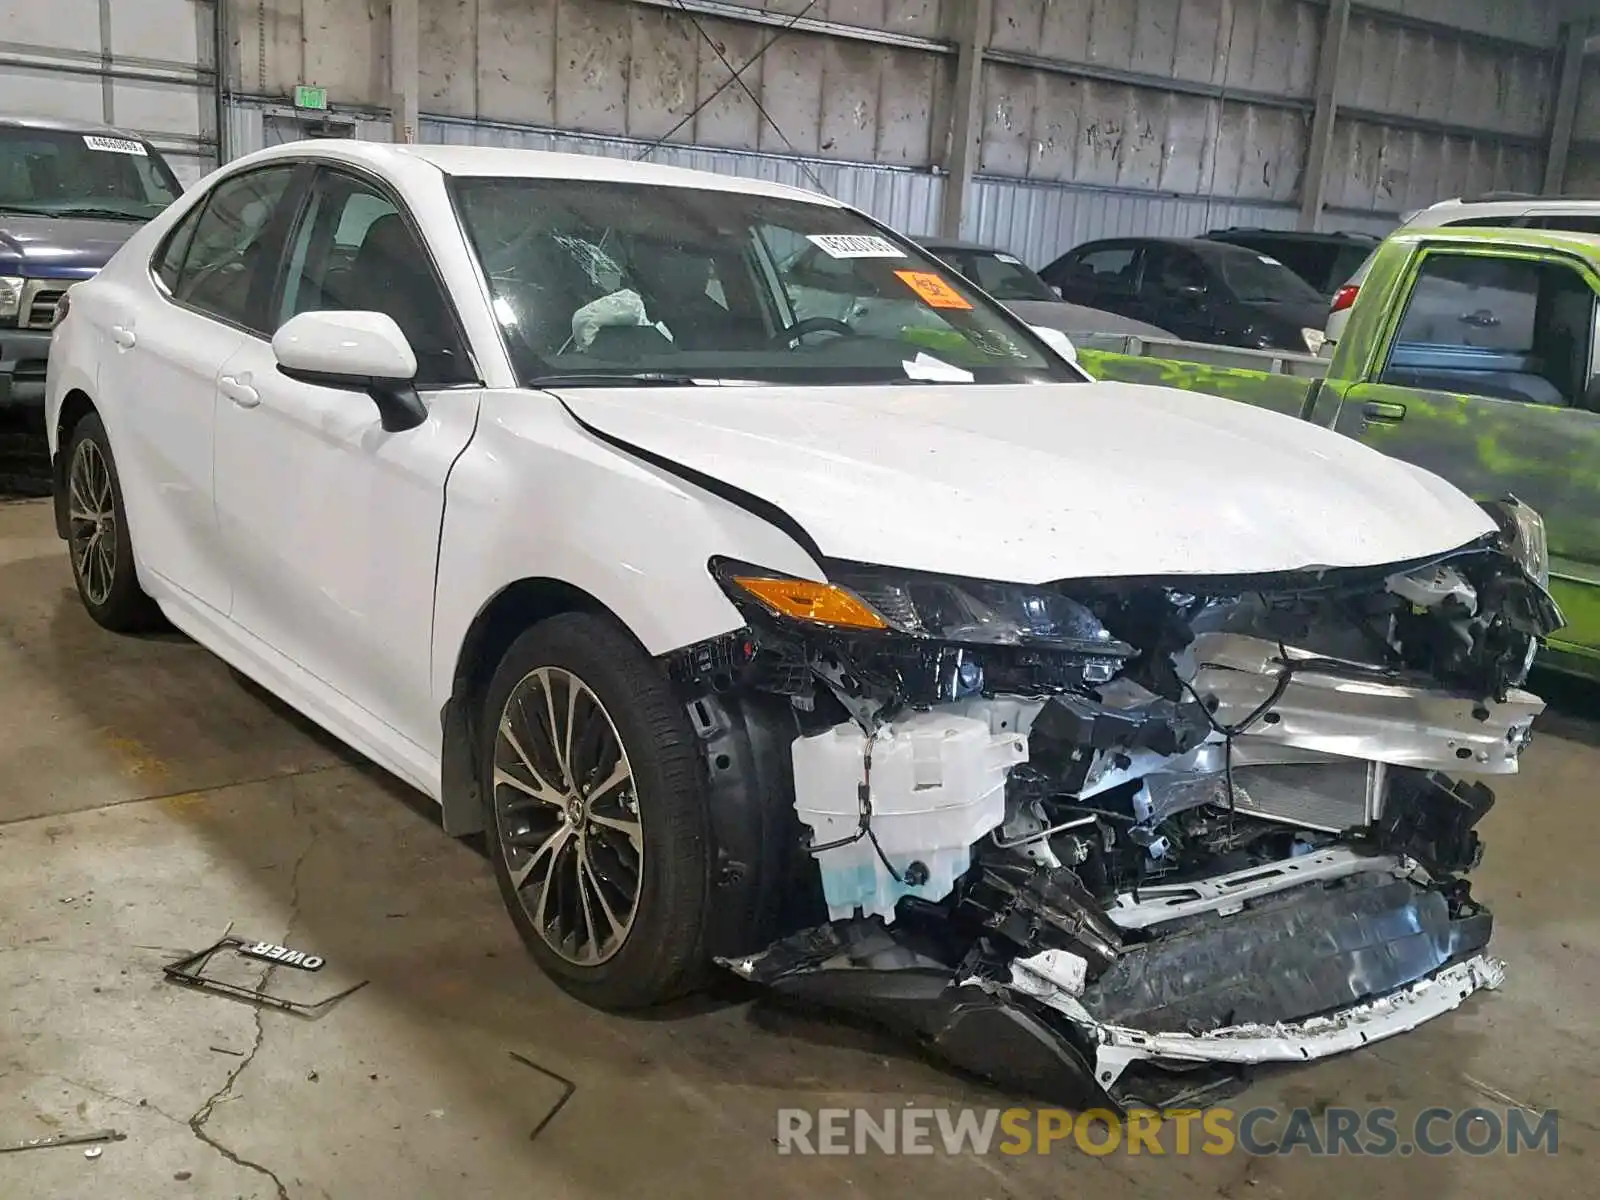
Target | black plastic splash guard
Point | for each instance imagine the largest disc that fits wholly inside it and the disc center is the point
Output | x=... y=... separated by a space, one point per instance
x=1289 y=958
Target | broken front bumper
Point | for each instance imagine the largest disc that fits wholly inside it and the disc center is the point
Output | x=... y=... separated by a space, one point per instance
x=1207 y=829
x=1303 y=1041
x=1361 y=948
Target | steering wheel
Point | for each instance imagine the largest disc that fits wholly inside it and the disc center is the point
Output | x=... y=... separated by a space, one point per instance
x=810 y=325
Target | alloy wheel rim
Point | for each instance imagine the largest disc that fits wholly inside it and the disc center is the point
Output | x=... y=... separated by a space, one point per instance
x=92 y=522
x=567 y=812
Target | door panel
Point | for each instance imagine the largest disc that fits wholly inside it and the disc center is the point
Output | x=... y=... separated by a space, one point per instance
x=1168 y=270
x=1486 y=384
x=1546 y=456
x=332 y=531
x=171 y=331
x=331 y=523
x=166 y=382
x=1104 y=277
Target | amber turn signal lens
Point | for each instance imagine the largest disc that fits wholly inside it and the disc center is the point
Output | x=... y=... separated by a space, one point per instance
x=807 y=600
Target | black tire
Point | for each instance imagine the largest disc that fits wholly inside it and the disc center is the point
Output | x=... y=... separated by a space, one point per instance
x=109 y=591
x=661 y=955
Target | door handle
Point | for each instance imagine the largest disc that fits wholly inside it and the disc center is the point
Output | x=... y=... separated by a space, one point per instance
x=123 y=337
x=1383 y=413
x=239 y=391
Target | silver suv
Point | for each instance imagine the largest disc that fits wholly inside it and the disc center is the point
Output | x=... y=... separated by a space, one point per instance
x=1509 y=209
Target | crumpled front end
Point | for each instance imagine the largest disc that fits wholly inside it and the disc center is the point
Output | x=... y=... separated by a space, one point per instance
x=1126 y=837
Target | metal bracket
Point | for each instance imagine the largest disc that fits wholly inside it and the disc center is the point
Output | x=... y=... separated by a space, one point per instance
x=190 y=972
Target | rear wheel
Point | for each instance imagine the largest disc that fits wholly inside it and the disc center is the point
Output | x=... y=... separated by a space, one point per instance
x=97 y=534
x=596 y=813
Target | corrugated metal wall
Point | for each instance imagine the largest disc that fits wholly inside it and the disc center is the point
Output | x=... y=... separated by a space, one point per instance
x=1583 y=167
x=907 y=200
x=147 y=66
x=1099 y=117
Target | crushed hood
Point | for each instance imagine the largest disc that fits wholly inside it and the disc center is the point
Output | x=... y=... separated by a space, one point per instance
x=1034 y=483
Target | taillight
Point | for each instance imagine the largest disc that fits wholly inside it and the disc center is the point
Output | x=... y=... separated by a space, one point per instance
x=62 y=305
x=1345 y=297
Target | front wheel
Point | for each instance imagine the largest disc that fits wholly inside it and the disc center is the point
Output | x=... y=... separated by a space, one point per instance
x=596 y=813
x=97 y=534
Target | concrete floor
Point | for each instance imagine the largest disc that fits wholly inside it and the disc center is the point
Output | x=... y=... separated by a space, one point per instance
x=148 y=798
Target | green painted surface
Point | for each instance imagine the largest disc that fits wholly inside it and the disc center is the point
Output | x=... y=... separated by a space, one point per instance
x=1548 y=457
x=1280 y=393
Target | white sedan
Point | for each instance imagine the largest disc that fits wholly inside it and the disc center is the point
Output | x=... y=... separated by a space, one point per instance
x=902 y=666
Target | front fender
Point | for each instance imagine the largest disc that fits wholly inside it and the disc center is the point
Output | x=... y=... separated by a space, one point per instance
x=537 y=497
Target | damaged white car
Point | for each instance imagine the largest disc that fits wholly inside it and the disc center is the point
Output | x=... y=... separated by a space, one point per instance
x=1104 y=738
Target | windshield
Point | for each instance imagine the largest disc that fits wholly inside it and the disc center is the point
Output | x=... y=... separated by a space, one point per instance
x=56 y=173
x=1001 y=275
x=1260 y=278
x=622 y=279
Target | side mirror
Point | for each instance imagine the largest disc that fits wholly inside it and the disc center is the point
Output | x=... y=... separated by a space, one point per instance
x=355 y=351
x=1057 y=341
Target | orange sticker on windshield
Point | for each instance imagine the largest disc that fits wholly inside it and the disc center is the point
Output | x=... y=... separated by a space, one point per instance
x=935 y=292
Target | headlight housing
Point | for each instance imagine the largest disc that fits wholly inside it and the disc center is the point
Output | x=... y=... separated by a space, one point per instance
x=939 y=608
x=10 y=298
x=1522 y=532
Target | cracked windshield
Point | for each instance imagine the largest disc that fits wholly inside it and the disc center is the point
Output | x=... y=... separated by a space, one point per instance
x=623 y=282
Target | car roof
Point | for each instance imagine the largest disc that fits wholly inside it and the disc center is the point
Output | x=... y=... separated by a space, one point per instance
x=1200 y=245
x=57 y=125
x=1551 y=239
x=1511 y=206
x=937 y=244
x=1294 y=235
x=504 y=162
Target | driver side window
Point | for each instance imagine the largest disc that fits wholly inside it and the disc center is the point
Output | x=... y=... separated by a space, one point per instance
x=1505 y=328
x=355 y=251
x=1172 y=271
x=221 y=254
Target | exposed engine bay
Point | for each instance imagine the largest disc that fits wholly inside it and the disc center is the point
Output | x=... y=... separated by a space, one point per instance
x=1119 y=838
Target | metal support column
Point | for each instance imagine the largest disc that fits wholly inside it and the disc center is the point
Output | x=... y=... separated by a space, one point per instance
x=1573 y=38
x=1319 y=151
x=404 y=70
x=966 y=117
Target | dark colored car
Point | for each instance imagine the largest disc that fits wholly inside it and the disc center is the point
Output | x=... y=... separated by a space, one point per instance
x=1006 y=278
x=1324 y=260
x=1202 y=290
x=70 y=195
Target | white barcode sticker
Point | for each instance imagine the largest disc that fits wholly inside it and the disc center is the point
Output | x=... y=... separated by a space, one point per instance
x=854 y=245
x=1009 y=258
x=111 y=145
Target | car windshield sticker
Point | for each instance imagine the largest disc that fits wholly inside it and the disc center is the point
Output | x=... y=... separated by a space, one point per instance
x=854 y=245
x=1009 y=258
x=1271 y=262
x=935 y=292
x=112 y=145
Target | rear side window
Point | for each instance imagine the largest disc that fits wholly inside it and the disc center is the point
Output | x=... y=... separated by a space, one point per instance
x=229 y=252
x=168 y=262
x=1568 y=223
x=1311 y=260
x=1110 y=269
x=1511 y=329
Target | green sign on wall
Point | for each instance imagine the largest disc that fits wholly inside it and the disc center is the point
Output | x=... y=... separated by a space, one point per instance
x=310 y=97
